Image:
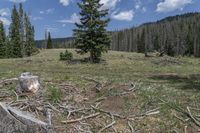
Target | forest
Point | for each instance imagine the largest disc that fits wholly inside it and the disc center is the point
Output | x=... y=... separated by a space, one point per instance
x=176 y=35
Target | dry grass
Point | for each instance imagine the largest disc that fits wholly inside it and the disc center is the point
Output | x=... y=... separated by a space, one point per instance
x=176 y=80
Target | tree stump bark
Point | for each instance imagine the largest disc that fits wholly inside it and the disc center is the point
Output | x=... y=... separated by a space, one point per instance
x=28 y=83
x=15 y=121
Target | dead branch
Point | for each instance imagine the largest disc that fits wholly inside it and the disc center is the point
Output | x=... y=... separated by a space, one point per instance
x=17 y=97
x=193 y=119
x=188 y=114
x=8 y=81
x=98 y=85
x=80 y=119
x=131 y=127
x=181 y=119
x=108 y=126
x=109 y=113
x=53 y=108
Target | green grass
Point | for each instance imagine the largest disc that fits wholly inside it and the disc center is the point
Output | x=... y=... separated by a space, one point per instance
x=173 y=79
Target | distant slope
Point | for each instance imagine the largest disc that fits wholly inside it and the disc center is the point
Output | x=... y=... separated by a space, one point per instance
x=57 y=43
x=175 y=35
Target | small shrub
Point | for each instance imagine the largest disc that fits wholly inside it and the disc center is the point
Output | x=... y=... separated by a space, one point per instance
x=54 y=94
x=66 y=56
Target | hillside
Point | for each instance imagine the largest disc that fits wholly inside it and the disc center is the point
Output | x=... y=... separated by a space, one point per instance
x=137 y=93
x=175 y=35
x=57 y=43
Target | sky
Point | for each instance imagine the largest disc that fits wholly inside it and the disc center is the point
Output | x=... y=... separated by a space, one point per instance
x=59 y=16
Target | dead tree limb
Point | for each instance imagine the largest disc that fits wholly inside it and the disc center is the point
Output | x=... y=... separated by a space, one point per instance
x=109 y=113
x=193 y=119
x=80 y=119
x=108 y=126
x=8 y=81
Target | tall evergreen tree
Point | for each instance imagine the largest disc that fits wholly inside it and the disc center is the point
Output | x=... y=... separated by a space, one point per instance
x=29 y=44
x=91 y=35
x=49 y=41
x=14 y=34
x=22 y=28
x=2 y=41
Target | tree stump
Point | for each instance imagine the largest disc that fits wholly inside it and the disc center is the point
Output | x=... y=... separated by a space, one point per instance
x=15 y=121
x=28 y=83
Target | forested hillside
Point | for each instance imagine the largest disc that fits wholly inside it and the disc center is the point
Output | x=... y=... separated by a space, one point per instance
x=178 y=35
x=57 y=43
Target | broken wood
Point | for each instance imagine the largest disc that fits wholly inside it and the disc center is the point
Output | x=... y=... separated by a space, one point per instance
x=28 y=83
x=108 y=126
x=8 y=81
x=13 y=120
x=80 y=119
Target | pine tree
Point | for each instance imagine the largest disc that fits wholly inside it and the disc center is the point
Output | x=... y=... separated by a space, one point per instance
x=21 y=28
x=49 y=41
x=141 y=42
x=91 y=35
x=14 y=34
x=29 y=44
x=2 y=41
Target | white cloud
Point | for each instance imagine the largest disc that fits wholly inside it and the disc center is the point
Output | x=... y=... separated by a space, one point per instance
x=48 y=11
x=17 y=1
x=51 y=29
x=144 y=9
x=172 y=5
x=123 y=16
x=73 y=19
x=138 y=4
x=4 y=12
x=109 y=4
x=63 y=25
x=64 y=2
x=5 y=21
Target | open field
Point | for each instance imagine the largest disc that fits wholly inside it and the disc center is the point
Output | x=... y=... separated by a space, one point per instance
x=152 y=93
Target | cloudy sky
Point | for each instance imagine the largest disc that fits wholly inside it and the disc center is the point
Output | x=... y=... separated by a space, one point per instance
x=58 y=16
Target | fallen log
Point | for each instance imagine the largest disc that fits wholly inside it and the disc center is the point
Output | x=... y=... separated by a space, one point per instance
x=14 y=121
x=8 y=81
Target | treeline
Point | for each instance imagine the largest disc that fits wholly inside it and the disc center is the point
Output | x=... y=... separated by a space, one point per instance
x=20 y=40
x=178 y=35
x=56 y=43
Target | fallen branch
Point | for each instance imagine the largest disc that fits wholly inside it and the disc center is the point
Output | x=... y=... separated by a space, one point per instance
x=109 y=113
x=108 y=126
x=80 y=119
x=188 y=114
x=17 y=97
x=8 y=81
x=181 y=118
x=193 y=119
x=131 y=127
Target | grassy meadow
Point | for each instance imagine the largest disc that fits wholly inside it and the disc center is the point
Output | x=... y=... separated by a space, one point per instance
x=163 y=83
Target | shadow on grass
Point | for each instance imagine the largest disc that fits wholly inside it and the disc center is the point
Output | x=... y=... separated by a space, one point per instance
x=179 y=81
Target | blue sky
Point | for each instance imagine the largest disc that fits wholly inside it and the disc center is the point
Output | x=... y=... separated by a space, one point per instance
x=58 y=16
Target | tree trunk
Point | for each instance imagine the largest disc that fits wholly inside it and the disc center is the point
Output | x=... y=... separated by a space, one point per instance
x=28 y=83
x=15 y=121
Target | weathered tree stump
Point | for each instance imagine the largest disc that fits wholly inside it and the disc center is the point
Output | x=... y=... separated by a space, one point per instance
x=28 y=83
x=15 y=121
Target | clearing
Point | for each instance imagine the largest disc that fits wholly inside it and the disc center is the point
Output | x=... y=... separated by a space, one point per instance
x=125 y=93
